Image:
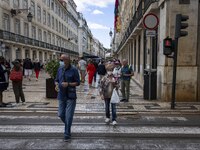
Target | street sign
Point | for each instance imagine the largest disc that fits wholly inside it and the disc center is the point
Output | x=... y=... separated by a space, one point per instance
x=150 y=21
x=150 y=33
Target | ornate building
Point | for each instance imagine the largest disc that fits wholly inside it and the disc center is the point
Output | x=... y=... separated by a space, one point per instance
x=144 y=52
x=52 y=31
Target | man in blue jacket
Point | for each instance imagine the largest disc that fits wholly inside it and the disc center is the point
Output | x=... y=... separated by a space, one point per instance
x=66 y=81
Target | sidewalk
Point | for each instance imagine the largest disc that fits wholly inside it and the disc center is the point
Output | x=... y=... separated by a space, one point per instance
x=89 y=101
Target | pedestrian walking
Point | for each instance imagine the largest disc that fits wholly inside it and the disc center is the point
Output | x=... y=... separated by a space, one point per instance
x=28 y=66
x=126 y=74
x=16 y=76
x=96 y=68
x=101 y=70
x=82 y=64
x=91 y=71
x=117 y=70
x=107 y=84
x=66 y=81
x=3 y=80
x=37 y=68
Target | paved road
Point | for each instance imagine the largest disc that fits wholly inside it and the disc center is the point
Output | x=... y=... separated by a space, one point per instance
x=142 y=124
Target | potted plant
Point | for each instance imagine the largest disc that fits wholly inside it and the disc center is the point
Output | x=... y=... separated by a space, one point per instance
x=51 y=68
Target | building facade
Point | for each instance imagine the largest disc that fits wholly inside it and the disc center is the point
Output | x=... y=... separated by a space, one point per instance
x=48 y=35
x=145 y=52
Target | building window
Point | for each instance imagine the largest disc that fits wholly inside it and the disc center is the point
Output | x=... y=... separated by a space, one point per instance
x=44 y=1
x=49 y=38
x=48 y=3
x=6 y=22
x=135 y=55
x=17 y=26
x=139 y=54
x=26 y=30
x=56 y=25
x=33 y=32
x=52 y=4
x=16 y=3
x=60 y=27
x=53 y=39
x=52 y=22
x=39 y=34
x=45 y=36
x=49 y=20
x=44 y=16
x=33 y=8
x=39 y=13
x=25 y=4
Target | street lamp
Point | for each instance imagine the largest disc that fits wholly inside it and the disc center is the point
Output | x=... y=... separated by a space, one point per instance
x=15 y=12
x=111 y=33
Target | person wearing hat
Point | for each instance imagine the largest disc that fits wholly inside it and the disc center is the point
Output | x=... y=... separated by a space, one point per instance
x=3 y=80
x=107 y=84
x=16 y=76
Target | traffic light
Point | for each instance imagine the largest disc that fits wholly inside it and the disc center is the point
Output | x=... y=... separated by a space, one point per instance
x=167 y=46
x=181 y=24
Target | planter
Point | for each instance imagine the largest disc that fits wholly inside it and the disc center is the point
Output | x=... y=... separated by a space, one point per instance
x=50 y=88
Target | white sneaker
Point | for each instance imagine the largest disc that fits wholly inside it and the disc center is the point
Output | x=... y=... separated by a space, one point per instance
x=114 y=123
x=107 y=120
x=23 y=103
x=15 y=104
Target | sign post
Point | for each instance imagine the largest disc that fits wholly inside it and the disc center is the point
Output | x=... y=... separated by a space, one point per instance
x=150 y=22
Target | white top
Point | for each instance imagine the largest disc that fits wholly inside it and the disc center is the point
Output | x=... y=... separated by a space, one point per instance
x=117 y=72
x=82 y=64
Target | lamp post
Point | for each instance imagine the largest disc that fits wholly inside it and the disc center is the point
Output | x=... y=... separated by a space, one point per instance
x=111 y=33
x=15 y=12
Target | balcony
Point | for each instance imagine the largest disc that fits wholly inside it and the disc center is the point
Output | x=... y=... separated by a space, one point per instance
x=12 y=37
x=141 y=9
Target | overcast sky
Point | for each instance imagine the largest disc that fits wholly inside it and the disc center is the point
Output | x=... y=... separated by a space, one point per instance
x=100 y=17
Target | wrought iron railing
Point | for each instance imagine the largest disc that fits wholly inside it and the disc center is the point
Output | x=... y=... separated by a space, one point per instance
x=6 y=35
x=141 y=9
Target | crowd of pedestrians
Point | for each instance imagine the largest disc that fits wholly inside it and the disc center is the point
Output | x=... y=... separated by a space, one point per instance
x=20 y=68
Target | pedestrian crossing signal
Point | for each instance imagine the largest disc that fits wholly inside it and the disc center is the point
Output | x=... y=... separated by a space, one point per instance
x=167 y=46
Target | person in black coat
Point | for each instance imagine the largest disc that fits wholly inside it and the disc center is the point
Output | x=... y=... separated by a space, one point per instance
x=101 y=70
x=4 y=80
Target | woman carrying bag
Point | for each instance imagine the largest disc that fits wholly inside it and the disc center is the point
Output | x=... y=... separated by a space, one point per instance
x=16 y=76
x=107 y=85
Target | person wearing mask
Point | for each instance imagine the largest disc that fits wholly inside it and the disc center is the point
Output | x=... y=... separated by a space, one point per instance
x=67 y=79
x=126 y=74
x=117 y=71
x=107 y=84
x=82 y=64
x=16 y=76
x=3 y=80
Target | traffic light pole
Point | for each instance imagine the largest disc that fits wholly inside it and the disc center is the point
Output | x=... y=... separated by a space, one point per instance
x=174 y=74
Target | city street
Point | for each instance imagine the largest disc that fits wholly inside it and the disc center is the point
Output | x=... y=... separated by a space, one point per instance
x=141 y=124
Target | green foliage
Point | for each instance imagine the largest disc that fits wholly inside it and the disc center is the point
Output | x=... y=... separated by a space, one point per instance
x=52 y=68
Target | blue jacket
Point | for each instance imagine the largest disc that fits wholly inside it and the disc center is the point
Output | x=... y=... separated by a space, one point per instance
x=67 y=75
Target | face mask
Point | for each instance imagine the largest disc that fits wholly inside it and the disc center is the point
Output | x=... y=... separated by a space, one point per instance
x=109 y=72
x=62 y=63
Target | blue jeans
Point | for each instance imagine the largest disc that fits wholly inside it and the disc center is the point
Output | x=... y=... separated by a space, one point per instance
x=107 y=108
x=66 y=112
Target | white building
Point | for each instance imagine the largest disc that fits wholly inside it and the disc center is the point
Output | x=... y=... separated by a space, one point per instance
x=53 y=30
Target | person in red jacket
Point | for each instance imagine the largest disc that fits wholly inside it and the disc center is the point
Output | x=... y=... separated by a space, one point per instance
x=91 y=71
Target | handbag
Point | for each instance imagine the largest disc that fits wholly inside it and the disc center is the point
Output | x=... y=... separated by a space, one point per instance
x=16 y=75
x=115 y=97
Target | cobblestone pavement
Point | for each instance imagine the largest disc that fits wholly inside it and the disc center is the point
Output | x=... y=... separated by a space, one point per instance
x=89 y=100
